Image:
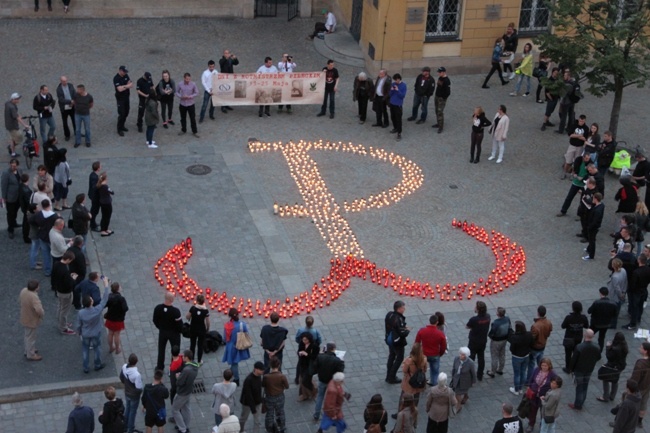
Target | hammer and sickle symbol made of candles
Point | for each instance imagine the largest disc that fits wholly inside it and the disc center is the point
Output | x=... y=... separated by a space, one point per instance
x=348 y=258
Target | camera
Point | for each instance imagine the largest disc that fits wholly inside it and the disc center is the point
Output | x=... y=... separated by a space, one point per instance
x=290 y=58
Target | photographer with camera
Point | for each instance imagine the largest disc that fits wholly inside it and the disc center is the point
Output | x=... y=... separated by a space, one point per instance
x=286 y=65
x=226 y=63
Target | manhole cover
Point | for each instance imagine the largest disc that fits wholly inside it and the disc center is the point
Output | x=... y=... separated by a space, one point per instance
x=452 y=186
x=198 y=387
x=198 y=169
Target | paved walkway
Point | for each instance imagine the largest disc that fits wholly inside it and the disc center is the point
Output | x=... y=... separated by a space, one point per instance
x=240 y=248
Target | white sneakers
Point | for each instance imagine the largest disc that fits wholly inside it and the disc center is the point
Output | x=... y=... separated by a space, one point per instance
x=152 y=145
x=512 y=390
x=491 y=158
x=513 y=93
x=499 y=161
x=512 y=76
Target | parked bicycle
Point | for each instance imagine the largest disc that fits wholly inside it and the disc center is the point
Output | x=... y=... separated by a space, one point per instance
x=30 y=145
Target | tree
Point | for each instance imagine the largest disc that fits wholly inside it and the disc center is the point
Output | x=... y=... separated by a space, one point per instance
x=605 y=40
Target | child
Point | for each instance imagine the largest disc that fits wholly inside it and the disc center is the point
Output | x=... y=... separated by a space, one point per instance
x=224 y=393
x=175 y=366
x=551 y=406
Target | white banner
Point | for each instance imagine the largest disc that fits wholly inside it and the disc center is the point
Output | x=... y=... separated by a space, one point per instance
x=290 y=88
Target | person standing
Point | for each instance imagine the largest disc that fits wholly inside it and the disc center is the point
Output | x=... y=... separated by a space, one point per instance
x=479 y=122
x=583 y=362
x=520 y=342
x=78 y=265
x=266 y=68
x=642 y=378
x=333 y=405
x=82 y=103
x=89 y=327
x=499 y=131
x=414 y=363
x=441 y=405
x=574 y=324
x=226 y=63
x=82 y=418
x=552 y=91
x=80 y=220
x=62 y=180
x=509 y=423
x=166 y=90
x=274 y=384
x=397 y=95
x=327 y=364
x=31 y=317
x=374 y=415
x=434 y=345
x=496 y=64
x=10 y=184
x=199 y=317
x=443 y=90
x=627 y=417
x=551 y=405
x=307 y=355
x=151 y=117
x=65 y=93
x=111 y=417
x=44 y=105
x=286 y=65
x=116 y=309
x=463 y=375
x=616 y=354
x=143 y=87
x=44 y=221
x=380 y=101
x=153 y=401
x=541 y=330
x=93 y=195
x=500 y=330
x=510 y=42
x=602 y=312
x=479 y=327
x=105 y=194
x=13 y=122
x=206 y=81
x=168 y=320
x=331 y=87
x=361 y=93
x=251 y=397
x=184 y=385
x=186 y=92
x=231 y=355
x=423 y=90
x=594 y=220
x=525 y=70
x=63 y=284
x=577 y=139
x=122 y=83
x=25 y=194
x=273 y=338
x=224 y=393
x=132 y=380
x=396 y=333
x=538 y=385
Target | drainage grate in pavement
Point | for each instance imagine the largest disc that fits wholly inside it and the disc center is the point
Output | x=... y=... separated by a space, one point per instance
x=198 y=169
x=198 y=387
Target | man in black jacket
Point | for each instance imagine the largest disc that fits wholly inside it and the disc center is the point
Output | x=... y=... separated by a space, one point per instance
x=606 y=152
x=168 y=320
x=443 y=90
x=396 y=333
x=594 y=220
x=251 y=397
x=43 y=221
x=380 y=101
x=65 y=93
x=326 y=365
x=63 y=284
x=226 y=63
x=424 y=87
x=44 y=105
x=583 y=362
x=24 y=200
x=628 y=412
x=602 y=313
x=637 y=292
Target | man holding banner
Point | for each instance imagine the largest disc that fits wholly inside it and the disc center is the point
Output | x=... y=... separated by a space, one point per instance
x=266 y=68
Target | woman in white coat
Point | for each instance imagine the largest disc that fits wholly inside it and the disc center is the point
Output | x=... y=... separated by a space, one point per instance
x=499 y=131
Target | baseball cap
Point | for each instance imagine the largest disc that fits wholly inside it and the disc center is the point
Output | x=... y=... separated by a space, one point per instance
x=442 y=69
x=123 y=68
x=259 y=365
x=147 y=75
x=15 y=95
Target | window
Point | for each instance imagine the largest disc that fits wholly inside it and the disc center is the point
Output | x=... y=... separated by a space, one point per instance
x=443 y=18
x=534 y=16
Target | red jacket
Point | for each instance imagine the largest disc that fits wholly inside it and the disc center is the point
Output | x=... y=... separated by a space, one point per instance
x=434 y=342
x=333 y=403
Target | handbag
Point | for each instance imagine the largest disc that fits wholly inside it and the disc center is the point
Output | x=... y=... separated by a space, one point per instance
x=607 y=373
x=530 y=394
x=243 y=339
x=524 y=407
x=549 y=419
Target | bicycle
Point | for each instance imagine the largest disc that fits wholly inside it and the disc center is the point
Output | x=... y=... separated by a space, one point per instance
x=30 y=145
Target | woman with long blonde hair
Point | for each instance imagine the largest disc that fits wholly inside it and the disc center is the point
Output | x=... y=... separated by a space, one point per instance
x=641 y=222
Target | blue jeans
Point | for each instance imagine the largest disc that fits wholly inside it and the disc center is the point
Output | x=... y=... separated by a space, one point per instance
x=322 y=387
x=46 y=121
x=533 y=361
x=582 y=382
x=331 y=94
x=520 y=80
x=547 y=428
x=519 y=371
x=434 y=368
x=130 y=411
x=45 y=254
x=207 y=99
x=420 y=101
x=96 y=342
x=78 y=120
x=149 y=133
x=234 y=367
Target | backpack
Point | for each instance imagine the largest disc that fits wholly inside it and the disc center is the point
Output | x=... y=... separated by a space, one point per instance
x=576 y=95
x=418 y=380
x=212 y=342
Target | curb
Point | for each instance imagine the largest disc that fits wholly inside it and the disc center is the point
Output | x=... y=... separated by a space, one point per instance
x=24 y=393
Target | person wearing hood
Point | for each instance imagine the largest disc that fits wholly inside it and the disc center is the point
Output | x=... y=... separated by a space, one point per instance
x=224 y=393
x=132 y=380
